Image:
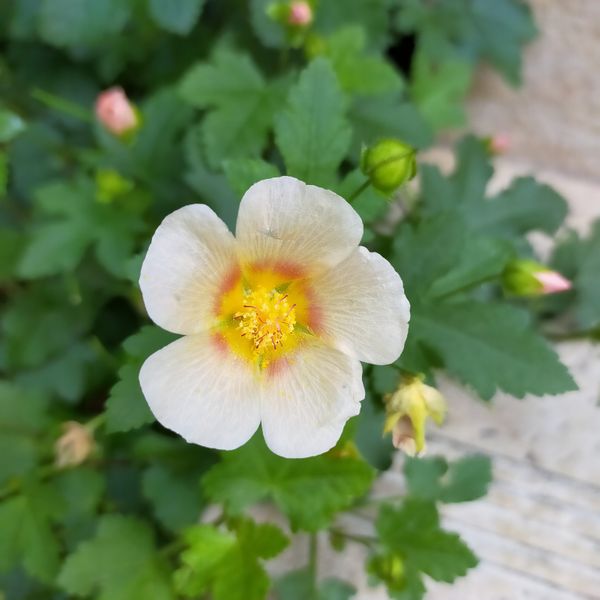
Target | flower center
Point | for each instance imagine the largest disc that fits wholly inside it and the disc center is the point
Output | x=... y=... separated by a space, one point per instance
x=267 y=319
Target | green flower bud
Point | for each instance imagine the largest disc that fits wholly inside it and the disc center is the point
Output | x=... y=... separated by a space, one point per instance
x=110 y=185
x=388 y=164
x=529 y=278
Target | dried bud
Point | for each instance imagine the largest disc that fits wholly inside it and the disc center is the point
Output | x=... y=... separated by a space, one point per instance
x=301 y=14
x=388 y=164
x=73 y=446
x=115 y=112
x=529 y=278
x=499 y=143
x=408 y=409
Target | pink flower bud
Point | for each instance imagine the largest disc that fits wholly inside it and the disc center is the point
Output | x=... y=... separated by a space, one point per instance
x=300 y=14
x=552 y=282
x=115 y=112
x=500 y=143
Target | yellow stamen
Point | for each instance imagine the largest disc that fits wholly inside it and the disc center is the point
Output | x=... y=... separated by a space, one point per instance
x=267 y=320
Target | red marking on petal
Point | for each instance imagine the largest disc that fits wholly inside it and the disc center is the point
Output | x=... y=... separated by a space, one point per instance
x=219 y=343
x=228 y=282
x=285 y=269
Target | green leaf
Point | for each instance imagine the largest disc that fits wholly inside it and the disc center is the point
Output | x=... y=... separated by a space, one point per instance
x=490 y=346
x=243 y=172
x=27 y=536
x=385 y=116
x=424 y=253
x=298 y=585
x=587 y=283
x=23 y=420
x=175 y=498
x=121 y=562
x=376 y=448
x=471 y=30
x=126 y=407
x=435 y=479
x=312 y=132
x=176 y=16
x=309 y=491
x=439 y=90
x=228 y=565
x=86 y=22
x=370 y=204
x=11 y=125
x=371 y=15
x=413 y=533
x=525 y=206
x=356 y=72
x=242 y=105
x=481 y=259
x=11 y=246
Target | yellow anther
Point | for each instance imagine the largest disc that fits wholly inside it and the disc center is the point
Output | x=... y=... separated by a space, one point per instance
x=267 y=319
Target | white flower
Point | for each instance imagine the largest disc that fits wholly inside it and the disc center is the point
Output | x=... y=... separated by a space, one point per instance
x=275 y=320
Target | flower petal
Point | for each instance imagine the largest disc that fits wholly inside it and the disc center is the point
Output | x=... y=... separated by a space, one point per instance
x=363 y=308
x=307 y=399
x=195 y=387
x=283 y=220
x=190 y=256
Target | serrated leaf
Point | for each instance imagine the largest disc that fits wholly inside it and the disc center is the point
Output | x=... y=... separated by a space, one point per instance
x=372 y=15
x=413 y=533
x=357 y=72
x=176 y=16
x=120 y=561
x=524 y=206
x=175 y=498
x=481 y=259
x=388 y=115
x=22 y=419
x=242 y=105
x=439 y=90
x=226 y=564
x=425 y=253
x=312 y=132
x=463 y=480
x=27 y=536
x=308 y=491
x=243 y=172
x=65 y=23
x=126 y=407
x=491 y=346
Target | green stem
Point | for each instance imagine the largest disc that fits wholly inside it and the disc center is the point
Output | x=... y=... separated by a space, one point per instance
x=359 y=190
x=60 y=104
x=312 y=562
x=365 y=540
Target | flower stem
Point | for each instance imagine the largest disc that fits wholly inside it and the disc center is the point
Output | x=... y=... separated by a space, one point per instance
x=60 y=104
x=359 y=190
x=312 y=562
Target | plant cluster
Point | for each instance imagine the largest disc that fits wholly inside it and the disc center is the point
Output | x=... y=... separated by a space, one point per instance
x=96 y=500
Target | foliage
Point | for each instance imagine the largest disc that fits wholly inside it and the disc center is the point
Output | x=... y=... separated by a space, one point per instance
x=225 y=100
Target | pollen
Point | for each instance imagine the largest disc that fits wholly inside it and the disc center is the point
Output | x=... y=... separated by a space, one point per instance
x=267 y=320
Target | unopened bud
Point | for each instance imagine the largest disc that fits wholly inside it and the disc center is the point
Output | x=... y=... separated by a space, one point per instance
x=74 y=446
x=300 y=14
x=110 y=184
x=408 y=409
x=388 y=164
x=529 y=278
x=499 y=143
x=116 y=113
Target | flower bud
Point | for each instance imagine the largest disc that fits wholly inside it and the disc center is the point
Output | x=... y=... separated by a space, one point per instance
x=73 y=446
x=529 y=278
x=110 y=184
x=116 y=113
x=300 y=14
x=389 y=569
x=388 y=164
x=408 y=409
x=498 y=143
